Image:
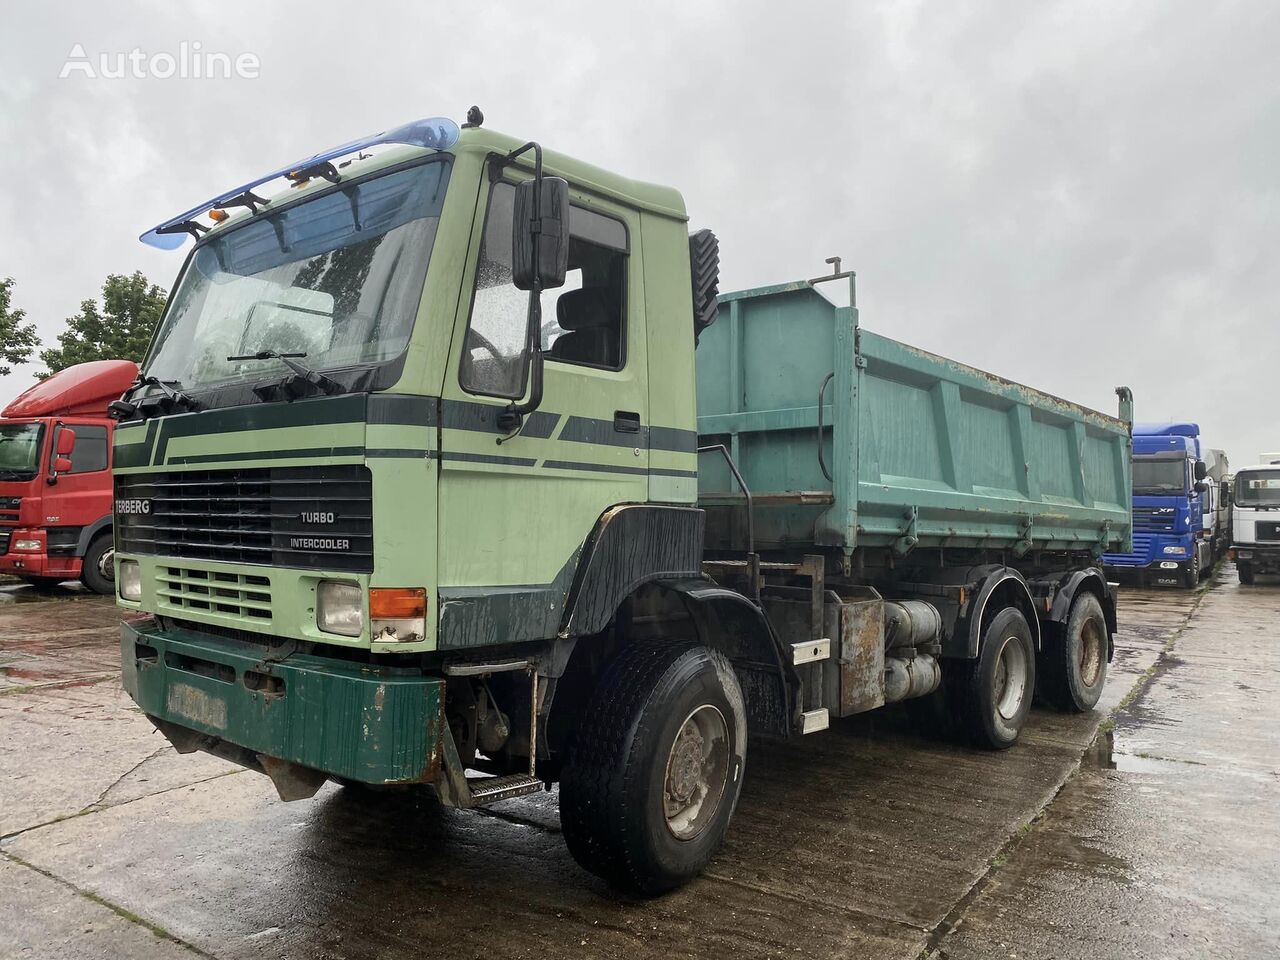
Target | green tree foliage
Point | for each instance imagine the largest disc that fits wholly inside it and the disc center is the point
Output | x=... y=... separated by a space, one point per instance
x=17 y=339
x=117 y=329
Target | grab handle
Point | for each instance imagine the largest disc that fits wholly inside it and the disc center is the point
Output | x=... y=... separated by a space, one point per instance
x=822 y=392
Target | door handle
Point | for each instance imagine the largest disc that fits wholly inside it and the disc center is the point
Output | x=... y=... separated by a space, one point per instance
x=626 y=421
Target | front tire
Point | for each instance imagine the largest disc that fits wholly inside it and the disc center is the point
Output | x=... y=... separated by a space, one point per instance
x=1072 y=666
x=1191 y=573
x=991 y=696
x=655 y=768
x=1244 y=570
x=97 y=572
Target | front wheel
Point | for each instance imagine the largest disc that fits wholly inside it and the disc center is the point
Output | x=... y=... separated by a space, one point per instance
x=654 y=772
x=1191 y=573
x=98 y=570
x=991 y=696
x=1244 y=570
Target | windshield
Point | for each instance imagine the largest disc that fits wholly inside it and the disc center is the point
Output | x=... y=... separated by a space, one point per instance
x=1260 y=488
x=20 y=450
x=336 y=279
x=1159 y=477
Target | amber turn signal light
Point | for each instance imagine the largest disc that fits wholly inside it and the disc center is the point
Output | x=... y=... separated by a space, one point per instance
x=217 y=216
x=397 y=603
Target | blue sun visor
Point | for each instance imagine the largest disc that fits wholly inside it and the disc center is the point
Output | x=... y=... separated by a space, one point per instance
x=436 y=133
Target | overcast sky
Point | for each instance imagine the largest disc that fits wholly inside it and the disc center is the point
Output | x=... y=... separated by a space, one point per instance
x=1073 y=195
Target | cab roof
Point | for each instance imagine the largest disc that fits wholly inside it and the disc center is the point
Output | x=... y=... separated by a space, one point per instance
x=83 y=390
x=421 y=138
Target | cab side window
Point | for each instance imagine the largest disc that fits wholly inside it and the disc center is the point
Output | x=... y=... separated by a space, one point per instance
x=583 y=322
x=90 y=453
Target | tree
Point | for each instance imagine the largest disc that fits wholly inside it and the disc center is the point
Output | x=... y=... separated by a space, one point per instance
x=119 y=329
x=17 y=339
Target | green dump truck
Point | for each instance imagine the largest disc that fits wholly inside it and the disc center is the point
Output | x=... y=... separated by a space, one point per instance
x=424 y=482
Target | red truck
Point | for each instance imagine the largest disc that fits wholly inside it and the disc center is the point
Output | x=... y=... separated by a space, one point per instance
x=55 y=477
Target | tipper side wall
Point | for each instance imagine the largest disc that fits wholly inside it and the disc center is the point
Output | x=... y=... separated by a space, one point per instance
x=943 y=454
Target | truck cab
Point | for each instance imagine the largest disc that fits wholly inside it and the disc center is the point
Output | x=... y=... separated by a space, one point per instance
x=1171 y=543
x=55 y=477
x=1255 y=521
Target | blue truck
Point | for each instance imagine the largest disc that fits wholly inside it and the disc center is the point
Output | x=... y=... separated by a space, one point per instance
x=1170 y=543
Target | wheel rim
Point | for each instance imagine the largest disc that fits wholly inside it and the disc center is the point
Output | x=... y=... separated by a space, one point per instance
x=107 y=564
x=1090 y=652
x=696 y=774
x=1010 y=679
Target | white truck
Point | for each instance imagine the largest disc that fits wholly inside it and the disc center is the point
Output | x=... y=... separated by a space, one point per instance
x=1255 y=521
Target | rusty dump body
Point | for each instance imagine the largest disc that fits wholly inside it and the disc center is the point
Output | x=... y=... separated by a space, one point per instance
x=849 y=439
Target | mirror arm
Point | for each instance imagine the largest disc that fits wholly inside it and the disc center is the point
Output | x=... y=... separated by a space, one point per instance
x=512 y=418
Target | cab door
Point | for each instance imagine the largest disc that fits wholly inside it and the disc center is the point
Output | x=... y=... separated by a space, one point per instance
x=82 y=494
x=514 y=513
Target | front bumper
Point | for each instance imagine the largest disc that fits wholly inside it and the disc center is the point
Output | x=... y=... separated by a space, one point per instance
x=372 y=724
x=1262 y=558
x=27 y=563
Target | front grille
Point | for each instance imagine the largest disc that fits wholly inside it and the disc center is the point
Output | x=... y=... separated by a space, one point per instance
x=4 y=542
x=1159 y=519
x=309 y=517
x=9 y=508
x=204 y=591
x=1141 y=555
x=1268 y=530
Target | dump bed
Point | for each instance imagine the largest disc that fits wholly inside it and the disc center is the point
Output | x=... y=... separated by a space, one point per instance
x=907 y=449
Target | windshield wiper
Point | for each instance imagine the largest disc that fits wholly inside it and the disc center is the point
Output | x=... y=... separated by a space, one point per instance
x=291 y=386
x=171 y=396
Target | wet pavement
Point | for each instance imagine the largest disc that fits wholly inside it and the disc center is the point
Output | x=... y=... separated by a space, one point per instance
x=871 y=840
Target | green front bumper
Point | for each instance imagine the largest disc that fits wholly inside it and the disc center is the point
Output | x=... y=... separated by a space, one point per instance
x=349 y=720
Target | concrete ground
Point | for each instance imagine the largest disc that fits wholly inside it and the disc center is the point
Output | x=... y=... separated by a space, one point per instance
x=871 y=840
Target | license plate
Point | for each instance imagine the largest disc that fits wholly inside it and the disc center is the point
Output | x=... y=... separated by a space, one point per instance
x=197 y=706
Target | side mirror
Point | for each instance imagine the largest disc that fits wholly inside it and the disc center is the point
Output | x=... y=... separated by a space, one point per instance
x=1202 y=471
x=1201 y=486
x=61 y=464
x=66 y=442
x=546 y=218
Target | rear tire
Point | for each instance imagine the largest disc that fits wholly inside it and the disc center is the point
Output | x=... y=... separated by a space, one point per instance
x=991 y=696
x=1072 y=666
x=655 y=768
x=97 y=572
x=1244 y=570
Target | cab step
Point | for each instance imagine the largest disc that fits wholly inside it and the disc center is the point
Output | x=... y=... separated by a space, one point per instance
x=492 y=789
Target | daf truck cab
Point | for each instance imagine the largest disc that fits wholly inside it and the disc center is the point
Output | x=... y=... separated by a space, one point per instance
x=1170 y=541
x=55 y=477
x=1255 y=521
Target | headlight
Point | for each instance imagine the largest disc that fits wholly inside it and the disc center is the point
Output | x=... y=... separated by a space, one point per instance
x=130 y=580
x=1177 y=550
x=26 y=545
x=340 y=608
x=398 y=614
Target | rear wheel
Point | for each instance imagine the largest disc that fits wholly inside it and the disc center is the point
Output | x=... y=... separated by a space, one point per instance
x=98 y=570
x=1244 y=570
x=1072 y=666
x=991 y=696
x=655 y=769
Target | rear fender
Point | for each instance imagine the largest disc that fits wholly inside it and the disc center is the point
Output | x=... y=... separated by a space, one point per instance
x=998 y=587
